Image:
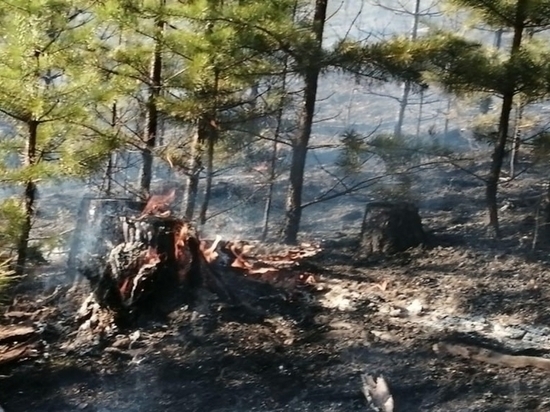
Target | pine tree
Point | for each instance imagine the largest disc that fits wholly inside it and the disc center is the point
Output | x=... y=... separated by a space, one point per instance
x=132 y=59
x=229 y=47
x=46 y=93
x=463 y=66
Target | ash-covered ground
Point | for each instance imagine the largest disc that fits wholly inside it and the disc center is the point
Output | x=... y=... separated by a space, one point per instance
x=308 y=354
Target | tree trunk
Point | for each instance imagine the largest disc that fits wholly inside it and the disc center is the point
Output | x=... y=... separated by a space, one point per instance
x=152 y=112
x=516 y=141
x=29 y=200
x=404 y=102
x=420 y=114
x=504 y=121
x=212 y=138
x=112 y=156
x=211 y=143
x=270 y=188
x=300 y=143
x=273 y=166
x=193 y=174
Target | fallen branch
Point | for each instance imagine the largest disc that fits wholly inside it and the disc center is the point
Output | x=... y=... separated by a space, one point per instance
x=491 y=356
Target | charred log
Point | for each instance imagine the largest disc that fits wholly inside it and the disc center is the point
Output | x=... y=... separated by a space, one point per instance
x=390 y=228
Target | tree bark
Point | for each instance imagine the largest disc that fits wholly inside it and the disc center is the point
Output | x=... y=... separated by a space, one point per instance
x=112 y=156
x=194 y=170
x=29 y=200
x=504 y=122
x=152 y=111
x=212 y=138
x=516 y=141
x=301 y=142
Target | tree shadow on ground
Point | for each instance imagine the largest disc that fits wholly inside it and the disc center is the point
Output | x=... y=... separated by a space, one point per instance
x=528 y=301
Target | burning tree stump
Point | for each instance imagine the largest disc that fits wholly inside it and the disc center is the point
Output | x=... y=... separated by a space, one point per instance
x=150 y=262
x=390 y=228
x=140 y=261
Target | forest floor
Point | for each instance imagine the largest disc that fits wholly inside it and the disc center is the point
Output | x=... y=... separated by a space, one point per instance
x=309 y=354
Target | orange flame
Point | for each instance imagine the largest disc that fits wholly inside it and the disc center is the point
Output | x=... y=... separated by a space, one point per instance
x=151 y=257
x=159 y=205
x=240 y=261
x=182 y=253
x=210 y=254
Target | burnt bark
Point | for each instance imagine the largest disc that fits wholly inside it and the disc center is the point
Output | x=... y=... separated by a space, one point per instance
x=301 y=142
x=499 y=152
x=28 y=199
x=152 y=116
x=390 y=228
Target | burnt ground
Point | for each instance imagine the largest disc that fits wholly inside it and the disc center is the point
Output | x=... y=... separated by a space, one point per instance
x=308 y=354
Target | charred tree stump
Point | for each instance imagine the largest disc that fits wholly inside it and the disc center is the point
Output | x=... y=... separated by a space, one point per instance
x=154 y=264
x=390 y=228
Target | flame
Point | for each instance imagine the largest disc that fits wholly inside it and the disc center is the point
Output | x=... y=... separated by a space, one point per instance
x=159 y=205
x=151 y=257
x=181 y=253
x=210 y=254
x=180 y=236
x=240 y=261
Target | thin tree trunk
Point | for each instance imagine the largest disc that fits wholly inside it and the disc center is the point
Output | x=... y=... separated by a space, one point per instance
x=112 y=156
x=274 y=149
x=420 y=114
x=152 y=111
x=29 y=200
x=300 y=143
x=212 y=138
x=271 y=185
x=273 y=160
x=504 y=121
x=516 y=141
x=404 y=101
x=194 y=170
x=209 y=170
